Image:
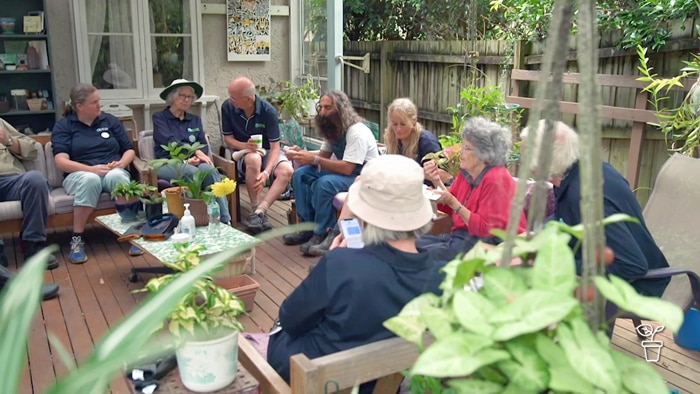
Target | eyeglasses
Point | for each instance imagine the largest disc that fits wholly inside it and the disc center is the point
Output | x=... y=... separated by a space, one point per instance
x=466 y=148
x=186 y=97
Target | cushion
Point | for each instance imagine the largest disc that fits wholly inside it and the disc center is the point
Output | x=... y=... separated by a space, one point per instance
x=339 y=200
x=53 y=174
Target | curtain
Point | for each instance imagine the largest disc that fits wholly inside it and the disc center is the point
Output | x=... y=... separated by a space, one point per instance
x=95 y=15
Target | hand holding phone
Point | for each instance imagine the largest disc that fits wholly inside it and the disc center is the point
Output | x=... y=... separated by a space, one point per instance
x=352 y=232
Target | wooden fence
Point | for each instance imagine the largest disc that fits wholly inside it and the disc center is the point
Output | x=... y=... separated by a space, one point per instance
x=433 y=73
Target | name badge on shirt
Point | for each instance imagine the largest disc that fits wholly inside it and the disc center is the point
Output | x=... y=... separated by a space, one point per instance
x=192 y=138
x=104 y=132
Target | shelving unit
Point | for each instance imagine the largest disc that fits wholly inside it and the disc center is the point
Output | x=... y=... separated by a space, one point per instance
x=33 y=80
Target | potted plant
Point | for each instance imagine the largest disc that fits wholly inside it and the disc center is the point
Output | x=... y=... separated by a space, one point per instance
x=299 y=101
x=523 y=329
x=152 y=202
x=179 y=154
x=205 y=323
x=126 y=199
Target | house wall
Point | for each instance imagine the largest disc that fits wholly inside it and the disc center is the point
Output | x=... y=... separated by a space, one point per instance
x=218 y=71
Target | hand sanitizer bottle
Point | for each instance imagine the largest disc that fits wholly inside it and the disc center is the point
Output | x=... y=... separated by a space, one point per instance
x=187 y=222
x=165 y=201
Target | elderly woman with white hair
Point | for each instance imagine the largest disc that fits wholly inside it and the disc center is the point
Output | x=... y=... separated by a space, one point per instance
x=634 y=247
x=174 y=123
x=479 y=200
x=351 y=292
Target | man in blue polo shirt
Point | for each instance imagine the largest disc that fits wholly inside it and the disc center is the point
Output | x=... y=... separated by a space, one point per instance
x=245 y=114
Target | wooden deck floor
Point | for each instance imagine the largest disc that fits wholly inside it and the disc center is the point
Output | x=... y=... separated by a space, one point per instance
x=96 y=295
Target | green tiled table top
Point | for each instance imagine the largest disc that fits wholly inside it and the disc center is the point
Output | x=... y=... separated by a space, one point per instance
x=227 y=237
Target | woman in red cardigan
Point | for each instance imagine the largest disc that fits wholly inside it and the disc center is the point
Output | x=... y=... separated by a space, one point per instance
x=479 y=200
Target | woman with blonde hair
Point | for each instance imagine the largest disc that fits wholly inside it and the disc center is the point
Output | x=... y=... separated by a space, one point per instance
x=405 y=136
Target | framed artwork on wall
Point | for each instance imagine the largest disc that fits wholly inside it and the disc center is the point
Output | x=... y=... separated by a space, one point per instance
x=248 y=30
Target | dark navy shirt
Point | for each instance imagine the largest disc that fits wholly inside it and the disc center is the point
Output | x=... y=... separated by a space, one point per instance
x=634 y=247
x=168 y=128
x=264 y=121
x=102 y=142
x=346 y=298
x=427 y=143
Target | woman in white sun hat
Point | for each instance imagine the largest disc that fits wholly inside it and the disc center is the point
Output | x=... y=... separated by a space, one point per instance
x=351 y=292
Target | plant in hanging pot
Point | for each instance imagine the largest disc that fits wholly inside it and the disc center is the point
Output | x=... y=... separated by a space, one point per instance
x=299 y=101
x=126 y=199
x=205 y=324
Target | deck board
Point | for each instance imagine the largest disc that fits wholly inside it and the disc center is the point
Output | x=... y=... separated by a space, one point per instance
x=96 y=296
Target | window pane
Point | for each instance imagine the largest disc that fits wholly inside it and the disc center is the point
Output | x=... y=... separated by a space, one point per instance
x=171 y=40
x=172 y=60
x=112 y=61
x=170 y=16
x=108 y=16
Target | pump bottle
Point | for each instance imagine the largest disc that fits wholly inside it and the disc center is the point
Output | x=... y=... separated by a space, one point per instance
x=187 y=222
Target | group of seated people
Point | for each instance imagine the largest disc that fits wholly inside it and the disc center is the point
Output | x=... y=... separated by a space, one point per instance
x=401 y=261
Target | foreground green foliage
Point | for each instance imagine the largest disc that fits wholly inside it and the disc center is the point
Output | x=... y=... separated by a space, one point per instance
x=208 y=311
x=124 y=344
x=524 y=331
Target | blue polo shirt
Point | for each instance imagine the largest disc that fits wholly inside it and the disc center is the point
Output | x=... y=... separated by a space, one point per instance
x=102 y=142
x=263 y=121
x=168 y=128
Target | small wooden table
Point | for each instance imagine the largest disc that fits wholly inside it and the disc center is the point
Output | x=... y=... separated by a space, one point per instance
x=244 y=383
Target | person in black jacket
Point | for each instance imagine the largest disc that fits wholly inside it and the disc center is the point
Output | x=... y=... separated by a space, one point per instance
x=351 y=292
x=634 y=247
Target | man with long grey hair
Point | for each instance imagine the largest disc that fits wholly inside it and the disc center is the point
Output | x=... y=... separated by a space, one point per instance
x=315 y=185
x=634 y=247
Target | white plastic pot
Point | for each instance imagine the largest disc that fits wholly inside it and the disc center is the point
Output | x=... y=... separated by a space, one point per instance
x=209 y=365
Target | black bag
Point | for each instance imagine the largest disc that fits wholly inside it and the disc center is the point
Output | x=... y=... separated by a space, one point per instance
x=157 y=228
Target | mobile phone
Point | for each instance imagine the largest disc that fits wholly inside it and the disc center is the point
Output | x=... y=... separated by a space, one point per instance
x=352 y=232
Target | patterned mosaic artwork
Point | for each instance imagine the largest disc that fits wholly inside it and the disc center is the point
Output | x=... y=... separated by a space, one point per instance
x=226 y=238
x=248 y=30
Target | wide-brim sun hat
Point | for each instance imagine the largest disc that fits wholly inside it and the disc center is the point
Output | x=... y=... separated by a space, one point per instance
x=178 y=83
x=389 y=194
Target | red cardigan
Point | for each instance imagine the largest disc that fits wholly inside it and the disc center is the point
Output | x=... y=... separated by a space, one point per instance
x=489 y=203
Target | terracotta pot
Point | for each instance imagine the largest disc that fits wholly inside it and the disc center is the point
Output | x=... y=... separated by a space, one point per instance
x=198 y=209
x=243 y=286
x=174 y=198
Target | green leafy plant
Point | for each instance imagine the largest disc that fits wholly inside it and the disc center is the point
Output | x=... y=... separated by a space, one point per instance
x=524 y=330
x=207 y=311
x=193 y=185
x=295 y=99
x=131 y=190
x=680 y=124
x=179 y=154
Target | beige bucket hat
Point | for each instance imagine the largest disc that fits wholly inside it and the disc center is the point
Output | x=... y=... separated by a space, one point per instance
x=389 y=194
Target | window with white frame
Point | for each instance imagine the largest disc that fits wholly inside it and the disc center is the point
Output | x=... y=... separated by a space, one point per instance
x=134 y=48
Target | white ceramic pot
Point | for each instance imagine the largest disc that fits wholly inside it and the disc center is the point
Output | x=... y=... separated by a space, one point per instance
x=210 y=365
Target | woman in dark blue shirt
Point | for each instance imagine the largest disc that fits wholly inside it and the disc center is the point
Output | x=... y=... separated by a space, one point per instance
x=174 y=123
x=404 y=135
x=94 y=151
